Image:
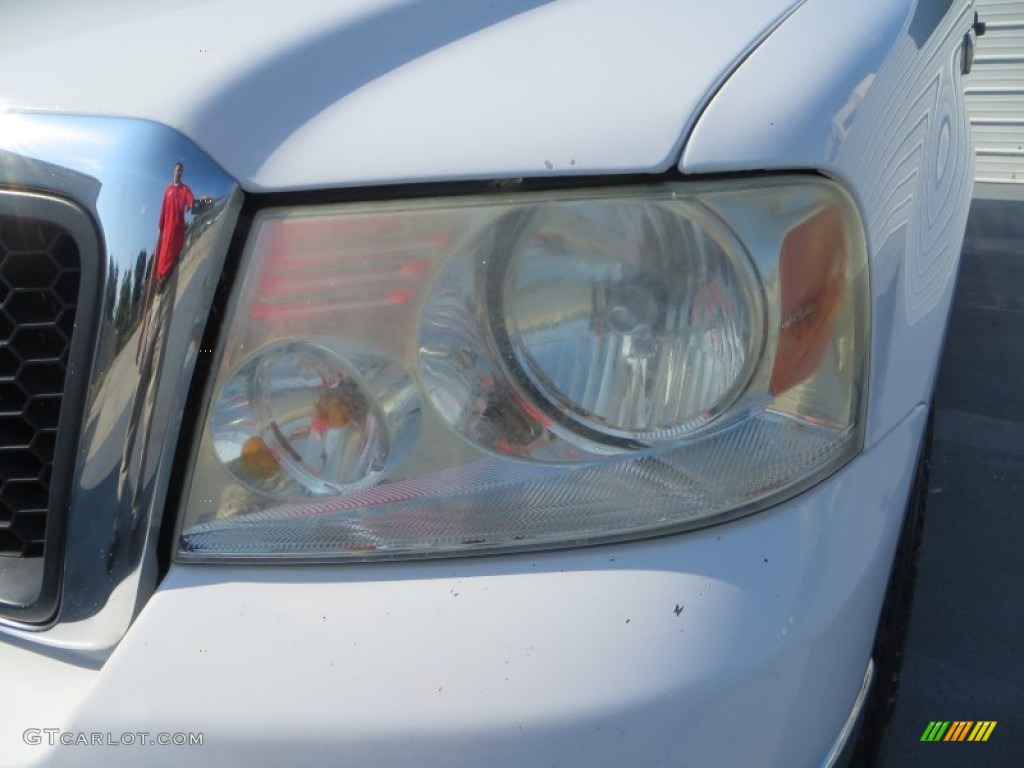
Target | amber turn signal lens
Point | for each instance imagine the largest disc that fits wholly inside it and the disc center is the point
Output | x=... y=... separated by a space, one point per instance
x=257 y=458
x=812 y=272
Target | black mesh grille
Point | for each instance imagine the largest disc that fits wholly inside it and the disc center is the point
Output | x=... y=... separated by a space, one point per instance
x=39 y=283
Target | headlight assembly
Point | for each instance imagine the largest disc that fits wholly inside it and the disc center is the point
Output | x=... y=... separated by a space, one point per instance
x=458 y=375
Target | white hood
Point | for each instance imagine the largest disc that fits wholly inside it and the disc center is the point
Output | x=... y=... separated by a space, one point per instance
x=304 y=94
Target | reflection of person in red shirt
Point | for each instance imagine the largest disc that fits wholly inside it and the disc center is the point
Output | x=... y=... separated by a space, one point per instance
x=155 y=328
x=178 y=198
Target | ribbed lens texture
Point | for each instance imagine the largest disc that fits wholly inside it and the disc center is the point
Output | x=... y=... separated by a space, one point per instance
x=632 y=317
x=489 y=503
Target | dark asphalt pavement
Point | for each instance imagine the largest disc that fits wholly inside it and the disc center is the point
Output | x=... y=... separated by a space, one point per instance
x=965 y=649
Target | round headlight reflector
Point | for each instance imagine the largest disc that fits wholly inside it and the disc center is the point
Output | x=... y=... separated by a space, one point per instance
x=640 y=320
x=301 y=419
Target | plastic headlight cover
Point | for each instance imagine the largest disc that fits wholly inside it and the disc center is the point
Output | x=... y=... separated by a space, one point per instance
x=498 y=372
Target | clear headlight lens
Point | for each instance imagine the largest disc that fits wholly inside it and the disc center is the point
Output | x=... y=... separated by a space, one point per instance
x=498 y=372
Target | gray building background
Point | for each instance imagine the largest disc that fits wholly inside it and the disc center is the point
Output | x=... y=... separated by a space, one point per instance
x=995 y=93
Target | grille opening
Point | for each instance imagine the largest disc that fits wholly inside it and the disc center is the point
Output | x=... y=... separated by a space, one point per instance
x=40 y=274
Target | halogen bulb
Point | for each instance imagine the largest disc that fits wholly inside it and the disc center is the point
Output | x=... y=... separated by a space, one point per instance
x=633 y=308
x=300 y=419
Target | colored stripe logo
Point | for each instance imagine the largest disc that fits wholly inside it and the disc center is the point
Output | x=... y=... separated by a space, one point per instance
x=958 y=730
